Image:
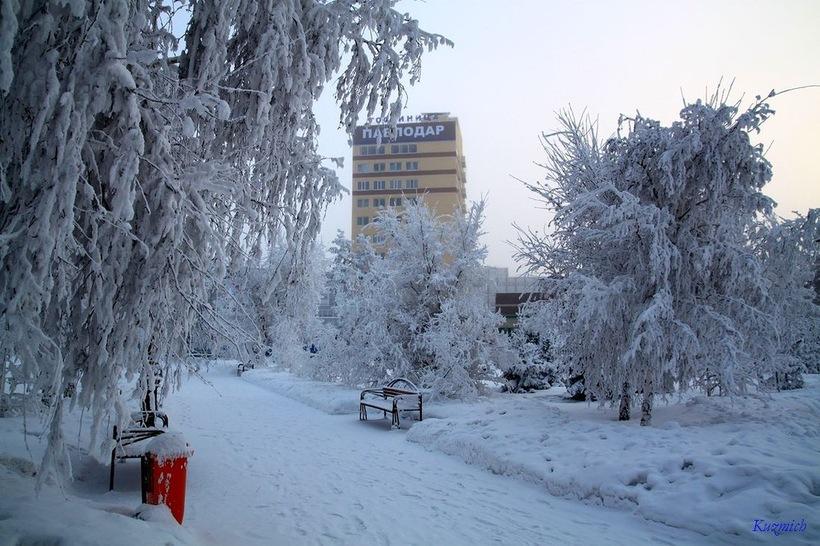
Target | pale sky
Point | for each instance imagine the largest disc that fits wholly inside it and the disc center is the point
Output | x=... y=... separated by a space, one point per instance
x=516 y=62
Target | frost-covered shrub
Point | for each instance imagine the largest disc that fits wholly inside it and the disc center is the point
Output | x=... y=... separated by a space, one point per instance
x=650 y=276
x=533 y=367
x=576 y=387
x=462 y=346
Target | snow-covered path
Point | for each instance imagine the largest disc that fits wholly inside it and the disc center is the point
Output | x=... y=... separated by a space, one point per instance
x=270 y=470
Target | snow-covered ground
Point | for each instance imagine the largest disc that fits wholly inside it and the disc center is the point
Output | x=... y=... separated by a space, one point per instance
x=268 y=469
x=712 y=465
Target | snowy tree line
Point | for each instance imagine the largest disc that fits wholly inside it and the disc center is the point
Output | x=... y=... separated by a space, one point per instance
x=137 y=168
x=665 y=268
x=412 y=305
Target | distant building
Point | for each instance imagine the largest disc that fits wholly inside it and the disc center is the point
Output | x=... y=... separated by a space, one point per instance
x=506 y=294
x=422 y=156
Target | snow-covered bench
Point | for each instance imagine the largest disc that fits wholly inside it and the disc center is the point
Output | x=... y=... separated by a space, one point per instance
x=398 y=396
x=143 y=426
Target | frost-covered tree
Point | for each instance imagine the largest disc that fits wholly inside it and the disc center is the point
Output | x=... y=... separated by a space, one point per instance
x=652 y=281
x=272 y=312
x=418 y=308
x=788 y=250
x=136 y=166
x=358 y=353
x=288 y=306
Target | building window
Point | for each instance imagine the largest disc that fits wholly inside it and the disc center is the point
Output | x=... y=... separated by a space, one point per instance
x=363 y=167
x=378 y=239
x=395 y=184
x=371 y=150
x=362 y=220
x=378 y=167
x=413 y=200
x=403 y=148
x=395 y=165
x=378 y=184
x=378 y=202
x=411 y=184
x=412 y=165
x=395 y=201
x=363 y=203
x=363 y=185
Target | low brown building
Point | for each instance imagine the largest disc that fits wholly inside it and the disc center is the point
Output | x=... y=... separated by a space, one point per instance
x=509 y=304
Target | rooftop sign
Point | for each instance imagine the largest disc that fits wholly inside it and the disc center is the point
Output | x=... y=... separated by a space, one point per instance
x=406 y=132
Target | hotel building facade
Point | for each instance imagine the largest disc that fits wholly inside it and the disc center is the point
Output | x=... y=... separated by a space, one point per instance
x=422 y=157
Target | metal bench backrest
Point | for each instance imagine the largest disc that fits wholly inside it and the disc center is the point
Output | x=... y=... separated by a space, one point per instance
x=390 y=391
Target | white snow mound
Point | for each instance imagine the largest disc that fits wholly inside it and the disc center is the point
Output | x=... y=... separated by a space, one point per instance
x=170 y=445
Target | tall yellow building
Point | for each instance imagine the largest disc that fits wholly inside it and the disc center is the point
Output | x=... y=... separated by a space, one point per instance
x=421 y=157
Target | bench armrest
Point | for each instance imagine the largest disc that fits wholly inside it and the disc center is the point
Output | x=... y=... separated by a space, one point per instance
x=380 y=392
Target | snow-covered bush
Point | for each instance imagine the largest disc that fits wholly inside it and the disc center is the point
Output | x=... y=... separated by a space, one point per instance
x=576 y=388
x=417 y=309
x=134 y=169
x=461 y=346
x=533 y=369
x=650 y=276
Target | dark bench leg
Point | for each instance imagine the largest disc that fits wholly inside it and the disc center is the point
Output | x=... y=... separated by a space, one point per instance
x=362 y=412
x=395 y=413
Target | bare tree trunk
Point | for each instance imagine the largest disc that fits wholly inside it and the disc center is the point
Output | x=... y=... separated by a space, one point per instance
x=646 y=408
x=646 y=403
x=626 y=402
x=3 y=385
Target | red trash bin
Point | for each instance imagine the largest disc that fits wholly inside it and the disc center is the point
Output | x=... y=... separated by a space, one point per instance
x=164 y=472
